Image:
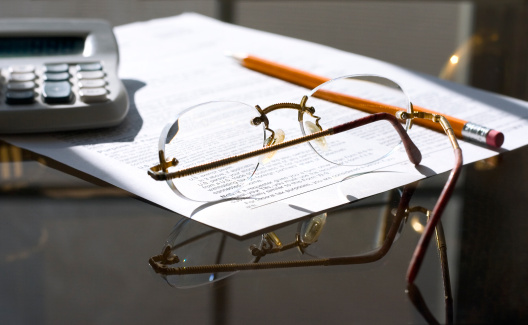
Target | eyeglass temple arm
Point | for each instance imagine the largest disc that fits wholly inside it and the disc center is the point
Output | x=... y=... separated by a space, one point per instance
x=412 y=290
x=444 y=265
x=158 y=172
x=440 y=205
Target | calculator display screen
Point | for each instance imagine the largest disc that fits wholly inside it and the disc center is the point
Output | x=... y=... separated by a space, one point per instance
x=17 y=46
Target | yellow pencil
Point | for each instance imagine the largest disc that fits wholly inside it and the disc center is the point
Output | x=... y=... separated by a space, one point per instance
x=463 y=129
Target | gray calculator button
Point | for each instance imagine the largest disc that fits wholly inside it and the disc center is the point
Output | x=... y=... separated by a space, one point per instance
x=93 y=66
x=21 y=77
x=22 y=68
x=90 y=75
x=55 y=92
x=20 y=97
x=55 y=68
x=26 y=85
x=61 y=76
x=93 y=95
x=91 y=83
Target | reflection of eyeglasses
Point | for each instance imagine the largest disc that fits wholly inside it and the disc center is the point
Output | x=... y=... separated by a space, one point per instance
x=219 y=145
x=367 y=240
x=346 y=235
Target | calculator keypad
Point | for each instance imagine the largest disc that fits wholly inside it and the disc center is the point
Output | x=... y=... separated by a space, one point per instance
x=53 y=84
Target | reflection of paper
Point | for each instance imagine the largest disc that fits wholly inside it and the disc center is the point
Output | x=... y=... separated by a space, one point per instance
x=181 y=62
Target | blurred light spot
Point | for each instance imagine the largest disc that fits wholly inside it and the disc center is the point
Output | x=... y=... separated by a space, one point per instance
x=417 y=225
x=454 y=59
x=494 y=37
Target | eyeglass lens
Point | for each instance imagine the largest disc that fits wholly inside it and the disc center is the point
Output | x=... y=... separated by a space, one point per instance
x=334 y=104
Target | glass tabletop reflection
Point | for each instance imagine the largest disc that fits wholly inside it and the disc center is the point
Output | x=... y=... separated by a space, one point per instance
x=72 y=245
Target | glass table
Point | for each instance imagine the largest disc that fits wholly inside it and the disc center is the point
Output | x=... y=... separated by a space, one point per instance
x=74 y=249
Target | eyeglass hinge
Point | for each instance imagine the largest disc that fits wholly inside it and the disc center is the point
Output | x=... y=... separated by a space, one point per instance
x=157 y=170
x=403 y=115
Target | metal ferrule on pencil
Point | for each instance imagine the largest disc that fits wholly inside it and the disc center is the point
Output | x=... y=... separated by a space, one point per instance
x=475 y=132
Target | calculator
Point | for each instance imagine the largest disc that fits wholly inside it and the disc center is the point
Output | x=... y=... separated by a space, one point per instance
x=58 y=75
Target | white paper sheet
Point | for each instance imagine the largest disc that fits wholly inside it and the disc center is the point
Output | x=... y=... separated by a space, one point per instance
x=173 y=63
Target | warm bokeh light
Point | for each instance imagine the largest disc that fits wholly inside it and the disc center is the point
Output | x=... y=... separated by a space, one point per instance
x=454 y=59
x=417 y=225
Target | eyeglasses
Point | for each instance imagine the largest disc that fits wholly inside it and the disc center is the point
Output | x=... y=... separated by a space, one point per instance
x=212 y=151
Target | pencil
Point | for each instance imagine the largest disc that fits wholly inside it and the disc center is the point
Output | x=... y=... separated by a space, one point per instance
x=463 y=129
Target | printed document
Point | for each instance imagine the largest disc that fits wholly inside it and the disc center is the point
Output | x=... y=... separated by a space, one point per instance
x=171 y=64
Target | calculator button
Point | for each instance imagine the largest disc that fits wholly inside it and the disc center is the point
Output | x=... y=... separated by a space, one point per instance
x=61 y=76
x=92 y=83
x=22 y=68
x=21 y=77
x=90 y=75
x=55 y=68
x=20 y=97
x=93 y=66
x=26 y=85
x=54 y=92
x=92 y=95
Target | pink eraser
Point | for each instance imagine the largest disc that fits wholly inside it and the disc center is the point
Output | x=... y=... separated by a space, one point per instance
x=494 y=138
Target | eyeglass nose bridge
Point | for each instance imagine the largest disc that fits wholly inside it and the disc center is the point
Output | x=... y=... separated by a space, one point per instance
x=301 y=108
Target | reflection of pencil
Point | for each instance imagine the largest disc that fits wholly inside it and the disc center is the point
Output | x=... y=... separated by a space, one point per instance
x=463 y=129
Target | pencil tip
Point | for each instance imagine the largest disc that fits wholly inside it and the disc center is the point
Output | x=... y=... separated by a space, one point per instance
x=236 y=55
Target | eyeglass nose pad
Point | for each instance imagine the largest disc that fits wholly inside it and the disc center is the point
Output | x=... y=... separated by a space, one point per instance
x=274 y=238
x=311 y=229
x=312 y=128
x=276 y=138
